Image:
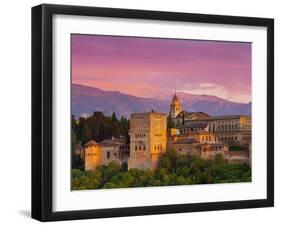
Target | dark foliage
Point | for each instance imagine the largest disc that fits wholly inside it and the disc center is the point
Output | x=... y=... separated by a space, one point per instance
x=98 y=127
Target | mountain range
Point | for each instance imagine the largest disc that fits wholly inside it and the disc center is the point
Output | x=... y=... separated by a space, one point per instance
x=86 y=100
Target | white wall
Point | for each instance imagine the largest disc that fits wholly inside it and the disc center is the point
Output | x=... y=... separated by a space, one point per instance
x=15 y=111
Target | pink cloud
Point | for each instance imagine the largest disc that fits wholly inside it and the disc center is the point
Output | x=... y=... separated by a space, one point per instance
x=131 y=64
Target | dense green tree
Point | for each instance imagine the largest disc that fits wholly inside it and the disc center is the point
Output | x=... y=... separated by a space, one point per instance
x=85 y=135
x=173 y=169
x=99 y=127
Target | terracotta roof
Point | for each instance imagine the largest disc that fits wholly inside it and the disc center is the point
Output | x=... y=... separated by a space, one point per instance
x=199 y=113
x=185 y=113
x=114 y=141
x=186 y=141
x=192 y=114
x=193 y=125
x=91 y=142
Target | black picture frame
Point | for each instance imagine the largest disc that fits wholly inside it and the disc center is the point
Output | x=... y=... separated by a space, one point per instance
x=42 y=107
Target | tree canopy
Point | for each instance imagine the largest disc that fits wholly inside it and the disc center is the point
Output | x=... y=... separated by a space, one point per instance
x=173 y=169
x=98 y=127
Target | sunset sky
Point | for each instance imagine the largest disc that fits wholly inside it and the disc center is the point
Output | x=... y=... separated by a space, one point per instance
x=149 y=67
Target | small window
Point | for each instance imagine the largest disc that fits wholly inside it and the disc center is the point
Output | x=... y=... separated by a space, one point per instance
x=108 y=155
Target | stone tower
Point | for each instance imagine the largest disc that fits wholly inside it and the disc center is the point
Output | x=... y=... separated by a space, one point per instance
x=175 y=108
x=148 y=139
x=92 y=155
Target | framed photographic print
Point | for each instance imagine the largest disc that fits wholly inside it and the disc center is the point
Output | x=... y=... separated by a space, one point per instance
x=145 y=112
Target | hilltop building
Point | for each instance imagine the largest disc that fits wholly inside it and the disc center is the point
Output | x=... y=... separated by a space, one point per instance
x=108 y=150
x=230 y=129
x=202 y=143
x=148 y=139
x=194 y=133
x=114 y=149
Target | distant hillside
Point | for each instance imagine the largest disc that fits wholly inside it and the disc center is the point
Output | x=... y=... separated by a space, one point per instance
x=86 y=100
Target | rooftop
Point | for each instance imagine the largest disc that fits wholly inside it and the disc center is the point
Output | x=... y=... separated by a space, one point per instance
x=186 y=141
x=193 y=125
x=193 y=114
x=113 y=141
x=222 y=117
x=90 y=143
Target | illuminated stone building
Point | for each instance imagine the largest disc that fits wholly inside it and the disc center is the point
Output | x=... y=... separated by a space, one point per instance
x=92 y=155
x=108 y=150
x=175 y=109
x=148 y=139
x=201 y=143
x=191 y=133
x=114 y=150
x=230 y=129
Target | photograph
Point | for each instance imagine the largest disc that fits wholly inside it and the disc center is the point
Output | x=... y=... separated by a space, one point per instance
x=145 y=112
x=159 y=112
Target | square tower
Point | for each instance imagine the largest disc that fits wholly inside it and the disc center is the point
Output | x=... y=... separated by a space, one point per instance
x=148 y=139
x=92 y=155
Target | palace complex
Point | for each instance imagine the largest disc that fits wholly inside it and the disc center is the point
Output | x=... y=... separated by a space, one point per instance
x=195 y=133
